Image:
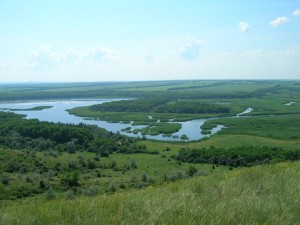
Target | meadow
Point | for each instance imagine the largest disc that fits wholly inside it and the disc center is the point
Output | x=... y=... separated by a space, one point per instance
x=257 y=195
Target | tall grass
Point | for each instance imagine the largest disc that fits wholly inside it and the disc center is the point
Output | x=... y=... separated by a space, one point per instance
x=257 y=195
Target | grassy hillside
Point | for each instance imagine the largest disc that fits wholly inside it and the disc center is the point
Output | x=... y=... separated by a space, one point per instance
x=84 y=175
x=259 y=195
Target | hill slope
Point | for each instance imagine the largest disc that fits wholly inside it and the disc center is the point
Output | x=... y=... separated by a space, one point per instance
x=258 y=195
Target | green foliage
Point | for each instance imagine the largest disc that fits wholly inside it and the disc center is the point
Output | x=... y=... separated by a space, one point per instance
x=191 y=171
x=5 y=180
x=71 y=179
x=279 y=127
x=237 y=156
x=91 y=190
x=50 y=194
x=160 y=105
x=69 y=195
x=19 y=133
x=256 y=195
x=37 y=108
x=111 y=188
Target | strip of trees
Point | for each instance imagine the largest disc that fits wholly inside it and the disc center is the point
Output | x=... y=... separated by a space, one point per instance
x=237 y=156
x=161 y=105
x=17 y=132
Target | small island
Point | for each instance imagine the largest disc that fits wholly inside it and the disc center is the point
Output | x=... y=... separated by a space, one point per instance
x=37 y=108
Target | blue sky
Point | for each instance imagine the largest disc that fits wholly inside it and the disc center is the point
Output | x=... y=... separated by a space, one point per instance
x=76 y=40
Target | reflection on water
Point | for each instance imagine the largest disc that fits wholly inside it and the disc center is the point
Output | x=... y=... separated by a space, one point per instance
x=290 y=103
x=248 y=110
x=58 y=113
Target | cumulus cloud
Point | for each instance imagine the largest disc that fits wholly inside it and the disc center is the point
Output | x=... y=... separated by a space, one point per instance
x=290 y=52
x=279 y=21
x=191 y=49
x=296 y=12
x=101 y=54
x=253 y=53
x=244 y=27
x=96 y=55
x=44 y=57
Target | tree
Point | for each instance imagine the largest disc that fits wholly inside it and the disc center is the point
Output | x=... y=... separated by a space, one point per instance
x=5 y=180
x=50 y=193
x=71 y=146
x=144 y=178
x=71 y=179
x=191 y=171
x=91 y=164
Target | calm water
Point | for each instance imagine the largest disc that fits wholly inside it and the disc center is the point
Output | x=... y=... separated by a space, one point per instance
x=58 y=113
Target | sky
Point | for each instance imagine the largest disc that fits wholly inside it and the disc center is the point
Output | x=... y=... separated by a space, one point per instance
x=132 y=40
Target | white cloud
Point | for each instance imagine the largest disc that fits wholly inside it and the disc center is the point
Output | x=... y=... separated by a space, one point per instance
x=191 y=49
x=279 y=21
x=44 y=57
x=101 y=54
x=296 y=12
x=244 y=27
x=95 y=55
x=290 y=52
x=253 y=53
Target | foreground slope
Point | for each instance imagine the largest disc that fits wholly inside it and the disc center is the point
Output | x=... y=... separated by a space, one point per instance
x=266 y=194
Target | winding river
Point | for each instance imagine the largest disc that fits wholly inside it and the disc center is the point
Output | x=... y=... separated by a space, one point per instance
x=58 y=113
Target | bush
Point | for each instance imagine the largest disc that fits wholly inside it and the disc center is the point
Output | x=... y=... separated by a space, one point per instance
x=42 y=184
x=144 y=178
x=111 y=188
x=191 y=171
x=5 y=180
x=122 y=186
x=91 y=165
x=91 y=191
x=50 y=193
x=71 y=179
x=69 y=195
x=28 y=179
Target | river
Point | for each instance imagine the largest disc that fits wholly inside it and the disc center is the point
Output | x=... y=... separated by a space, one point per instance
x=58 y=113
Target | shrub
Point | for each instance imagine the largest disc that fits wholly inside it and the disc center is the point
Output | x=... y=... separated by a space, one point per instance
x=50 y=193
x=191 y=171
x=28 y=179
x=144 y=178
x=91 y=191
x=71 y=179
x=69 y=195
x=122 y=186
x=5 y=180
x=111 y=188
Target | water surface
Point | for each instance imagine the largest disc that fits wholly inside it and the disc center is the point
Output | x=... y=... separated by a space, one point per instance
x=58 y=113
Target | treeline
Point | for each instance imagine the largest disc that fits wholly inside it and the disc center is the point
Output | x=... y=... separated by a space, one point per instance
x=160 y=105
x=139 y=105
x=237 y=156
x=19 y=133
x=191 y=108
x=189 y=93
